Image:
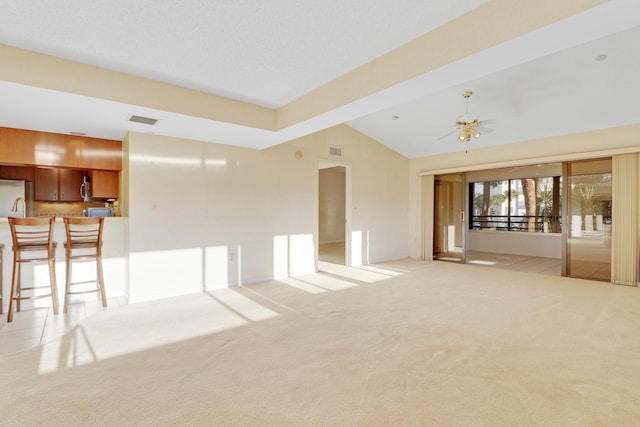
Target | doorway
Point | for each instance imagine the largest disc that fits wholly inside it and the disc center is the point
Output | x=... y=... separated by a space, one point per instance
x=332 y=214
x=449 y=202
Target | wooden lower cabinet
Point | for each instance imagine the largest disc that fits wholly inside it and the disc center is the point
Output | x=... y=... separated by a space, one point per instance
x=57 y=185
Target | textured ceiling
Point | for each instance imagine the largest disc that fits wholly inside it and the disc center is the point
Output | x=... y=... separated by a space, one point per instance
x=265 y=52
x=542 y=84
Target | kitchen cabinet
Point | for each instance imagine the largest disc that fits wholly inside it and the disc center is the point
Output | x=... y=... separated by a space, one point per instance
x=16 y=172
x=46 y=187
x=104 y=184
x=70 y=181
x=35 y=148
x=57 y=185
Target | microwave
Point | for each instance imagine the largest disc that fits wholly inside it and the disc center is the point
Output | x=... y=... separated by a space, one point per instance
x=98 y=212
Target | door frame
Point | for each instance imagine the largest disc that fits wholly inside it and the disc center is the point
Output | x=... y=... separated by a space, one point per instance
x=348 y=207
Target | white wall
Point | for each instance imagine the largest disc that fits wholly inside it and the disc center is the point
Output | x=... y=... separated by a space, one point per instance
x=547 y=245
x=205 y=216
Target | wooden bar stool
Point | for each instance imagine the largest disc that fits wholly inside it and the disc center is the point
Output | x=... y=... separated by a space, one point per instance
x=84 y=243
x=32 y=243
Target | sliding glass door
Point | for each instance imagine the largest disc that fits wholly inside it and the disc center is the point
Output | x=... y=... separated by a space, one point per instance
x=448 y=233
x=588 y=248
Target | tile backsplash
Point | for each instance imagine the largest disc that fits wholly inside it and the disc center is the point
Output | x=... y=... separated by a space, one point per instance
x=62 y=209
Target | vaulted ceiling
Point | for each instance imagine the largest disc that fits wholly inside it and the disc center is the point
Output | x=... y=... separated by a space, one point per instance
x=393 y=70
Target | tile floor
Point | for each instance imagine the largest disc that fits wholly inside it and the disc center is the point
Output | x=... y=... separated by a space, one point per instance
x=31 y=328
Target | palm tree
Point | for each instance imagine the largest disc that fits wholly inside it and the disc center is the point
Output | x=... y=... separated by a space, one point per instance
x=586 y=196
x=483 y=201
x=545 y=204
x=529 y=190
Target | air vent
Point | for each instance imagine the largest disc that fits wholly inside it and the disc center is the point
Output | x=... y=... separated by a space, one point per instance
x=335 y=151
x=143 y=120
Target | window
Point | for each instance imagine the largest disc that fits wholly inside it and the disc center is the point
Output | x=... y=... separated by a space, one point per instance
x=525 y=204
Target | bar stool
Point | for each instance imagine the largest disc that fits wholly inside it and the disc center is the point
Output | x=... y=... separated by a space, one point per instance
x=32 y=243
x=84 y=243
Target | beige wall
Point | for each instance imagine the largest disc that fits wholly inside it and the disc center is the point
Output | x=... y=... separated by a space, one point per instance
x=204 y=216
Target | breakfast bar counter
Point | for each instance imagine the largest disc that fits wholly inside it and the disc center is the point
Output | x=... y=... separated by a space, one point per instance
x=114 y=251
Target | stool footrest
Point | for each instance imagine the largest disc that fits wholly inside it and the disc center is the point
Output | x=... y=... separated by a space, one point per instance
x=85 y=282
x=33 y=297
x=32 y=288
x=80 y=258
x=83 y=292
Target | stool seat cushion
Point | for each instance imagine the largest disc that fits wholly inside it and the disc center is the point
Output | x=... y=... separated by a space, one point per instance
x=83 y=244
x=36 y=246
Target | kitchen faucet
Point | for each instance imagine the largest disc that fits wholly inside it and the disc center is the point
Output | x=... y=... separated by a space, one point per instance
x=24 y=206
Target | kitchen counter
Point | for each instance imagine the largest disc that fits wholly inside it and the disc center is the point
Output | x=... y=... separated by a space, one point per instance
x=59 y=219
x=114 y=253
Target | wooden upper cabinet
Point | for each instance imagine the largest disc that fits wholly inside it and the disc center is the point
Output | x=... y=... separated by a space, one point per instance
x=33 y=148
x=93 y=153
x=16 y=172
x=70 y=181
x=104 y=184
x=57 y=185
x=18 y=146
x=45 y=184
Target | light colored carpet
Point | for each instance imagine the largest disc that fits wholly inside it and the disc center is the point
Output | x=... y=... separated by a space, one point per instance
x=405 y=343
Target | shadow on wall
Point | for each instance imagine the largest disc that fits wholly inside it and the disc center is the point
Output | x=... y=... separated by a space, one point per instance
x=169 y=273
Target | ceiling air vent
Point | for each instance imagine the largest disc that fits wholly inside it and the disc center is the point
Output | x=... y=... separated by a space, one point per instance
x=143 y=120
x=335 y=151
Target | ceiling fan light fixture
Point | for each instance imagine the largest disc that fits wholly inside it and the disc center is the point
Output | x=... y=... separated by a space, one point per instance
x=467 y=123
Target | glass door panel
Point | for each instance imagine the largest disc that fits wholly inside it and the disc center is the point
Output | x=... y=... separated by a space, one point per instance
x=589 y=217
x=448 y=233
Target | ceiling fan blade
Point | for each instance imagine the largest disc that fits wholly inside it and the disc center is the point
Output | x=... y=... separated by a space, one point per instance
x=447 y=134
x=484 y=130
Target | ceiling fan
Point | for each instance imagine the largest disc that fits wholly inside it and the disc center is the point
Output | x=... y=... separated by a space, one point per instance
x=468 y=125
